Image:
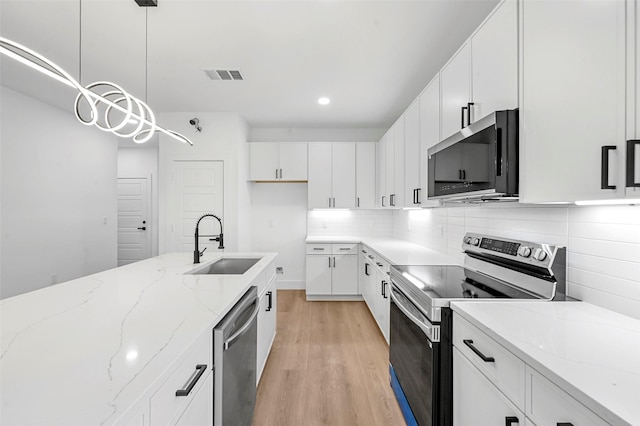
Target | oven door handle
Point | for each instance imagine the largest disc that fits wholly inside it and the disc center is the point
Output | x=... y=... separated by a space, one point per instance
x=428 y=330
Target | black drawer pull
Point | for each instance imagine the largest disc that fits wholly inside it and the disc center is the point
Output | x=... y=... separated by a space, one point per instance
x=475 y=350
x=317 y=248
x=508 y=421
x=270 y=296
x=200 y=369
x=564 y=424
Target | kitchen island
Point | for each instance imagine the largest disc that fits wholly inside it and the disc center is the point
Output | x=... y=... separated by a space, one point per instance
x=94 y=350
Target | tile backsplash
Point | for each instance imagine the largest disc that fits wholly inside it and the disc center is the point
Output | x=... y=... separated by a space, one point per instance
x=369 y=223
x=603 y=242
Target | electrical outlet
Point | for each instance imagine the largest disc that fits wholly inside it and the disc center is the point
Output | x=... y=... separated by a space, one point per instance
x=279 y=270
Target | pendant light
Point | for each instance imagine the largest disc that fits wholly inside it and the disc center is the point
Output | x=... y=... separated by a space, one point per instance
x=97 y=102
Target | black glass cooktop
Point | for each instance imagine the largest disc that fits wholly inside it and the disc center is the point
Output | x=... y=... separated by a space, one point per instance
x=436 y=285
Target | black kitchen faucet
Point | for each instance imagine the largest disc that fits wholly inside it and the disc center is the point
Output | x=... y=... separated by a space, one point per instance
x=197 y=253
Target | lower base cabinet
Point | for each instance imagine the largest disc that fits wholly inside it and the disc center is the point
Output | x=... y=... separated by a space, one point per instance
x=331 y=271
x=373 y=283
x=476 y=401
x=200 y=409
x=266 y=325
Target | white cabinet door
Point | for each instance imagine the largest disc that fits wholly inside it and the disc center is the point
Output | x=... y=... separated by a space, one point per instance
x=390 y=142
x=476 y=402
x=380 y=293
x=263 y=161
x=293 y=161
x=200 y=410
x=412 y=157
x=633 y=93
x=344 y=274
x=319 y=275
x=343 y=175
x=381 y=172
x=266 y=325
x=573 y=99
x=319 y=187
x=365 y=175
x=429 y=131
x=494 y=62
x=398 y=163
x=455 y=83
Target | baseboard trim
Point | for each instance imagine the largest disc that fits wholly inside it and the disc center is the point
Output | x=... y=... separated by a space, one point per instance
x=291 y=284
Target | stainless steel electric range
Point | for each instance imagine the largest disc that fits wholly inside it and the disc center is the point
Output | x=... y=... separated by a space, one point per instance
x=420 y=350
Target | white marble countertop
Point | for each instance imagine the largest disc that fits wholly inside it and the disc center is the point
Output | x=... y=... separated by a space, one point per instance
x=397 y=252
x=86 y=351
x=590 y=352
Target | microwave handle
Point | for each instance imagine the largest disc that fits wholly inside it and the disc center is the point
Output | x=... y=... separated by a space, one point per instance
x=499 y=151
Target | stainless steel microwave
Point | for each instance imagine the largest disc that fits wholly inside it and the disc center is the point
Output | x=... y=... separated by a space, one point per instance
x=478 y=163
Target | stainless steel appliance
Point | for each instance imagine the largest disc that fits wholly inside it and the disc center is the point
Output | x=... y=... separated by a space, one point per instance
x=420 y=350
x=234 y=359
x=480 y=162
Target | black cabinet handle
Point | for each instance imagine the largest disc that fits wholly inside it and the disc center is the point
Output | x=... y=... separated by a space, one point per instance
x=392 y=200
x=318 y=248
x=357 y=201
x=200 y=369
x=462 y=117
x=508 y=421
x=464 y=174
x=383 y=197
x=379 y=264
x=475 y=350
x=366 y=269
x=418 y=195
x=631 y=163
x=564 y=424
x=143 y=228
x=370 y=257
x=270 y=296
x=604 y=168
x=383 y=292
x=469 y=105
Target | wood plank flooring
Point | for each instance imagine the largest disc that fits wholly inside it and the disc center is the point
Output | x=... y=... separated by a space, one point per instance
x=328 y=366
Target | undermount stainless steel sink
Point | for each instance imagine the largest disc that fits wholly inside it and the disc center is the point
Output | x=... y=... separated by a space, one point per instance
x=227 y=266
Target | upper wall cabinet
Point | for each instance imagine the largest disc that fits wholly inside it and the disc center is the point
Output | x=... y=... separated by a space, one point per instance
x=429 y=135
x=278 y=161
x=332 y=175
x=573 y=103
x=412 y=155
x=633 y=101
x=482 y=77
x=365 y=175
x=381 y=176
x=494 y=62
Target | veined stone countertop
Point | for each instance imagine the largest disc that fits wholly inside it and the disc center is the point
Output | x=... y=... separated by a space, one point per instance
x=396 y=251
x=591 y=353
x=89 y=351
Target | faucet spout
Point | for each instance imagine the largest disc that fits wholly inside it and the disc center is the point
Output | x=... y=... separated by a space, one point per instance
x=220 y=238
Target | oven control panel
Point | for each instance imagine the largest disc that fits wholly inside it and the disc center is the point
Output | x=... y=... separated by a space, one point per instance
x=501 y=246
x=541 y=255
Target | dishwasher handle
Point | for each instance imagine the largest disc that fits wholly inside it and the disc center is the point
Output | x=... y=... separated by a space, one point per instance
x=244 y=328
x=431 y=331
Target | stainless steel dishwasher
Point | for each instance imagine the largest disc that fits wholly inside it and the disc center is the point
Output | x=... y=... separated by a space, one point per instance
x=234 y=358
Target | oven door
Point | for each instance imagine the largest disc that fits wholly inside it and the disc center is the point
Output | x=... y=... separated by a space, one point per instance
x=414 y=355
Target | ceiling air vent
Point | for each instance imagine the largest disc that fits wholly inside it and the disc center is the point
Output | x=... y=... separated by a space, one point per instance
x=224 y=74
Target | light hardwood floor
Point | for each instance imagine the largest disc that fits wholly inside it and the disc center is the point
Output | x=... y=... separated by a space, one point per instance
x=328 y=366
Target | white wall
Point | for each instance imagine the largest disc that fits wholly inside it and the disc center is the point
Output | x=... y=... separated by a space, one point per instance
x=142 y=162
x=603 y=243
x=222 y=138
x=58 y=189
x=279 y=223
x=288 y=134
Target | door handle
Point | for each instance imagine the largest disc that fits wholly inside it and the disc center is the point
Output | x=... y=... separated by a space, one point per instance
x=469 y=105
x=475 y=350
x=366 y=269
x=462 y=117
x=604 y=168
x=270 y=296
x=200 y=369
x=143 y=228
x=383 y=197
x=508 y=421
x=631 y=163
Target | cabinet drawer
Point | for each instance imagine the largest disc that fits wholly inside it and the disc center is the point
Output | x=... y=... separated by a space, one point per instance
x=344 y=248
x=500 y=366
x=547 y=404
x=318 y=248
x=165 y=405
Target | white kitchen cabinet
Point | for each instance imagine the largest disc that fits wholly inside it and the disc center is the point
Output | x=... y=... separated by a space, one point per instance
x=572 y=76
x=374 y=287
x=476 y=401
x=365 y=175
x=193 y=372
x=633 y=99
x=199 y=412
x=266 y=324
x=278 y=161
x=397 y=197
x=332 y=271
x=332 y=175
x=381 y=170
x=494 y=62
x=455 y=83
x=412 y=155
x=429 y=135
x=365 y=277
x=390 y=168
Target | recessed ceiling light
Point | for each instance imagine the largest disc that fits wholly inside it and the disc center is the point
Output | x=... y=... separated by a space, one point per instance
x=324 y=101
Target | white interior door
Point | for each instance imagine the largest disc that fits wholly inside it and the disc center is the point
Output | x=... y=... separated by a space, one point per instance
x=198 y=188
x=134 y=234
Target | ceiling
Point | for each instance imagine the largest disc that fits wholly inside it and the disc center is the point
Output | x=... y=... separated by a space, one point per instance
x=371 y=58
